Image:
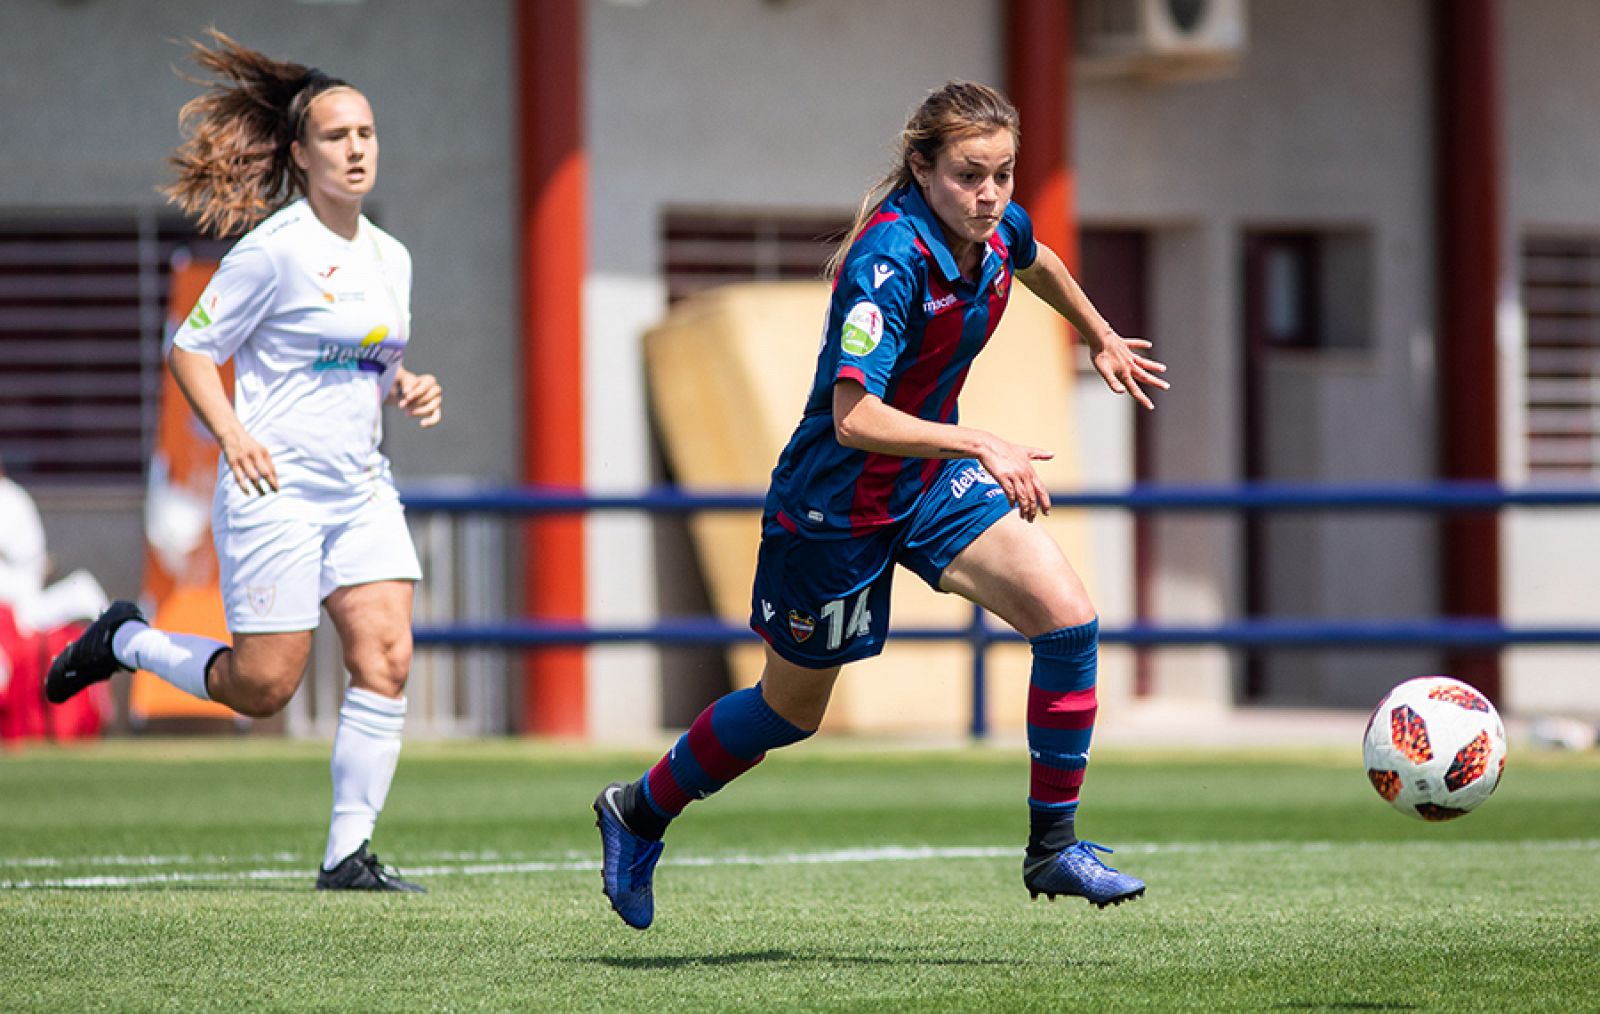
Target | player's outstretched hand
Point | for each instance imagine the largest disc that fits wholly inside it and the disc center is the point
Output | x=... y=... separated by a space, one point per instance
x=420 y=396
x=1124 y=369
x=1011 y=465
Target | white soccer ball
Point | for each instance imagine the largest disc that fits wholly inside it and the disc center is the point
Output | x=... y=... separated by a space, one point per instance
x=1435 y=748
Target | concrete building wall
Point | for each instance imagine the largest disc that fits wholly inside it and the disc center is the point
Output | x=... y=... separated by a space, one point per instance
x=1324 y=127
x=1552 y=157
x=750 y=104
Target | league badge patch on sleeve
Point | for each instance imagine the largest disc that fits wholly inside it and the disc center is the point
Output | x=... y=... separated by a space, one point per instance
x=200 y=316
x=863 y=329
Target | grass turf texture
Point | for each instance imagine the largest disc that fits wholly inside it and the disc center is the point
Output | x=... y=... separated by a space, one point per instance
x=1277 y=880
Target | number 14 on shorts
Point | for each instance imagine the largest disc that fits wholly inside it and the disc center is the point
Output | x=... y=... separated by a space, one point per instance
x=860 y=620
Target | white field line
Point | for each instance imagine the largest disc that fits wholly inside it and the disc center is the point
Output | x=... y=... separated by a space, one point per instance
x=479 y=864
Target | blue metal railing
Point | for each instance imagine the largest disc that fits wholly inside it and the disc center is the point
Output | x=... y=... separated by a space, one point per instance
x=979 y=633
x=1453 y=496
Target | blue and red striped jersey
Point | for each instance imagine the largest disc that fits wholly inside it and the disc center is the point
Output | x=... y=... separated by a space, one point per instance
x=905 y=325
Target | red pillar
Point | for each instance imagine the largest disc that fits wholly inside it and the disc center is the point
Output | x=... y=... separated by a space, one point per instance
x=553 y=257
x=1467 y=214
x=1039 y=84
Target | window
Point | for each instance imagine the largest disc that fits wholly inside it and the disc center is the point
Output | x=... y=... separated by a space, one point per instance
x=1308 y=289
x=704 y=249
x=1561 y=297
x=82 y=317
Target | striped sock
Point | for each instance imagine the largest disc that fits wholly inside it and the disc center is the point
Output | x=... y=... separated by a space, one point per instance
x=1061 y=710
x=728 y=739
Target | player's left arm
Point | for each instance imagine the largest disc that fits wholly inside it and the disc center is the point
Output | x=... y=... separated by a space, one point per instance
x=1115 y=358
x=419 y=395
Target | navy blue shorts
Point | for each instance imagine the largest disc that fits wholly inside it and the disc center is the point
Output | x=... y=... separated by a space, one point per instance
x=824 y=602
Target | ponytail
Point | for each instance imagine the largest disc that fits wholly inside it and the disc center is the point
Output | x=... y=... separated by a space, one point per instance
x=234 y=167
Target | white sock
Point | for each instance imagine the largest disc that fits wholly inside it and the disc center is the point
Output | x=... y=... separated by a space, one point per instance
x=180 y=659
x=366 y=749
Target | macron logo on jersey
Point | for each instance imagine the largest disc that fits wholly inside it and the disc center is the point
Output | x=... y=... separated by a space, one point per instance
x=881 y=273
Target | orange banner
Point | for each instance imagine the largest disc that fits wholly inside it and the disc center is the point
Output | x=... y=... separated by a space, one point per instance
x=180 y=562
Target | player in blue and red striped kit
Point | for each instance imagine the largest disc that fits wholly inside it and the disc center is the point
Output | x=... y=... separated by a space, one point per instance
x=880 y=471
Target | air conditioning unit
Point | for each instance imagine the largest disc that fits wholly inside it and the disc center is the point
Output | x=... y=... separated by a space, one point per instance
x=1167 y=39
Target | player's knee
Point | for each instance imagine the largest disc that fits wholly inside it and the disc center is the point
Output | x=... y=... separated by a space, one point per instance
x=382 y=667
x=1076 y=611
x=261 y=699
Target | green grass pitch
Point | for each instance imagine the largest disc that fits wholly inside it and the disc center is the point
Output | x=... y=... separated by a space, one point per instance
x=178 y=875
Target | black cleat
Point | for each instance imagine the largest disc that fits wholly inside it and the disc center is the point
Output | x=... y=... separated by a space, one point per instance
x=89 y=659
x=361 y=871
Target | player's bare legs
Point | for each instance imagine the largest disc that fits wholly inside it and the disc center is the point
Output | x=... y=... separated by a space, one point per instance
x=261 y=673
x=374 y=625
x=798 y=694
x=1016 y=571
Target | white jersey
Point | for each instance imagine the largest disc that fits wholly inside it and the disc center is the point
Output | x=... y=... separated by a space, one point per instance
x=316 y=326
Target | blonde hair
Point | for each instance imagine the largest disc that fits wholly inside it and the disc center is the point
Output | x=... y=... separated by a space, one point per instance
x=957 y=110
x=234 y=167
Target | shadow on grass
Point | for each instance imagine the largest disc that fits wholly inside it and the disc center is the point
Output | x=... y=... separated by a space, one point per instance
x=669 y=962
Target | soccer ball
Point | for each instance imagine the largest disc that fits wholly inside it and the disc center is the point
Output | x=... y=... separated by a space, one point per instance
x=1434 y=748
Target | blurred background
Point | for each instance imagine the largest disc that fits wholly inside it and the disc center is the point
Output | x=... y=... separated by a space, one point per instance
x=1363 y=234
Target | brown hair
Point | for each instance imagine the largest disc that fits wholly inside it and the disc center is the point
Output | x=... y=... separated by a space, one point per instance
x=957 y=110
x=234 y=167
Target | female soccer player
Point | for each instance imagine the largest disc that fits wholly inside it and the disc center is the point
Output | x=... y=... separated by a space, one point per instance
x=313 y=307
x=879 y=472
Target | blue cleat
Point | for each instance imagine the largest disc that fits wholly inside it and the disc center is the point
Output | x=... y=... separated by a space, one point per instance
x=1076 y=870
x=628 y=863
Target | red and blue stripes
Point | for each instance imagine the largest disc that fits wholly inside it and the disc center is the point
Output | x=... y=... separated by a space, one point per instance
x=728 y=738
x=1061 y=714
x=939 y=358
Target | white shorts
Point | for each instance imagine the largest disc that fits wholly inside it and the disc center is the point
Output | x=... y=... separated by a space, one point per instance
x=275 y=574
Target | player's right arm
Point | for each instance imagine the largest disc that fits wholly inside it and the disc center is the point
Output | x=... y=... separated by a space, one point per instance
x=236 y=300
x=874 y=299
x=863 y=421
x=201 y=383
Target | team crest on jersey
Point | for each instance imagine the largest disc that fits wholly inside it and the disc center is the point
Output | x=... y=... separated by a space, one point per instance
x=262 y=598
x=801 y=627
x=1002 y=281
x=863 y=329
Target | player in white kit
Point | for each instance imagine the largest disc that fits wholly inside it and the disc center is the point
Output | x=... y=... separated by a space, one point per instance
x=312 y=306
